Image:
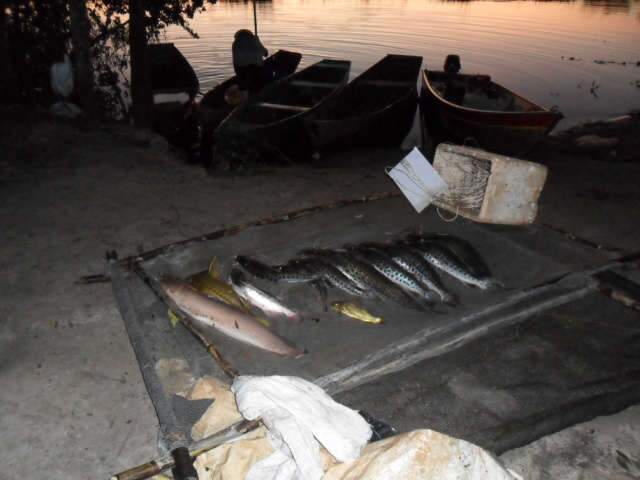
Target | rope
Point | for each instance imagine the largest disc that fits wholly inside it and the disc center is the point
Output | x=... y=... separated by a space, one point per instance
x=448 y=220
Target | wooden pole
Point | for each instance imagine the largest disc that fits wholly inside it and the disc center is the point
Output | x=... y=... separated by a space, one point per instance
x=141 y=93
x=165 y=462
x=81 y=36
x=255 y=19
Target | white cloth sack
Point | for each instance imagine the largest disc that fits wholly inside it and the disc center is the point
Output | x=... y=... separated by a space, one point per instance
x=61 y=77
x=422 y=455
x=298 y=415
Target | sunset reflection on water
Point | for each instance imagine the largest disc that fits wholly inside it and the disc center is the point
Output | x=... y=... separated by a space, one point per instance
x=521 y=44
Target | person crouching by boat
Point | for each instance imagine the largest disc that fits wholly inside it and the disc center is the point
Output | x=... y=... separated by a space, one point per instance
x=248 y=60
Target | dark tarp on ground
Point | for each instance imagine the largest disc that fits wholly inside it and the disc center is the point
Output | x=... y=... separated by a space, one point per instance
x=505 y=390
x=520 y=257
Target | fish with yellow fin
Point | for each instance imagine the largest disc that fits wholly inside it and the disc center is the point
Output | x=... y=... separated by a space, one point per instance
x=354 y=311
x=210 y=283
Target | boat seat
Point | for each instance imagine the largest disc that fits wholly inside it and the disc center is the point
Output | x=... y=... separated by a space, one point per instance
x=387 y=83
x=280 y=106
x=306 y=83
x=336 y=65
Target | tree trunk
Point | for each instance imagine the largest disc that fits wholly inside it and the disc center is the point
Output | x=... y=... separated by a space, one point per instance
x=8 y=89
x=80 y=32
x=141 y=93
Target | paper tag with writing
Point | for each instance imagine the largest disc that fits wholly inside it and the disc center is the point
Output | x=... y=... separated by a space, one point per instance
x=417 y=180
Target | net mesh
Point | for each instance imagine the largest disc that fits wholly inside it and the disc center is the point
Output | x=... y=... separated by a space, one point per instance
x=467 y=179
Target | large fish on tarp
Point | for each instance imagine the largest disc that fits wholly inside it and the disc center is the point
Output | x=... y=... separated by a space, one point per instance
x=336 y=279
x=413 y=263
x=266 y=302
x=294 y=271
x=301 y=270
x=226 y=319
x=365 y=277
x=466 y=252
x=443 y=259
x=394 y=272
x=210 y=283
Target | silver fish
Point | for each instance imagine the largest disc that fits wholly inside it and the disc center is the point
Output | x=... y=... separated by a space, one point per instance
x=442 y=259
x=228 y=320
x=257 y=297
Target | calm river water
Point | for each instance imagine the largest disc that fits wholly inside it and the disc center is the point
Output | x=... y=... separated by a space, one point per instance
x=521 y=44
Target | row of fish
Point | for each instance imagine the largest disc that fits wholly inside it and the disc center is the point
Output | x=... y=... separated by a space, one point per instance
x=404 y=272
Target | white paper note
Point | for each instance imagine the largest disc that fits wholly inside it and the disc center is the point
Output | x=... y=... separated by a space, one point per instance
x=417 y=180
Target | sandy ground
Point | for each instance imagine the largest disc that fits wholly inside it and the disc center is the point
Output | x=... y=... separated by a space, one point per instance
x=604 y=448
x=72 y=401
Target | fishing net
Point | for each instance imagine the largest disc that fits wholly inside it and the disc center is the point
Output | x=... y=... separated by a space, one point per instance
x=238 y=153
x=343 y=354
x=467 y=180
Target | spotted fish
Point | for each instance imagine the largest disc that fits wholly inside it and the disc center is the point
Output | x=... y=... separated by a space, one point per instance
x=466 y=252
x=443 y=259
x=415 y=264
x=394 y=272
x=366 y=277
x=294 y=271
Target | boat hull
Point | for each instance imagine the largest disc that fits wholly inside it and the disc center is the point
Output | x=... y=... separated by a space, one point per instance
x=273 y=120
x=377 y=109
x=213 y=108
x=385 y=128
x=504 y=132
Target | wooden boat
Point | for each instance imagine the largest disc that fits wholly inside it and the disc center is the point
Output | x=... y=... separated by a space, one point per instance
x=170 y=71
x=274 y=116
x=214 y=108
x=376 y=109
x=484 y=114
x=175 y=85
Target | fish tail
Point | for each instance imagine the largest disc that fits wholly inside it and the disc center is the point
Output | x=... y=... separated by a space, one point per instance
x=294 y=317
x=451 y=300
x=415 y=303
x=491 y=284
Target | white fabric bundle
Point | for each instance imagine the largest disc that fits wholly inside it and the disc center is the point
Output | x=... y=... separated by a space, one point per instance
x=298 y=415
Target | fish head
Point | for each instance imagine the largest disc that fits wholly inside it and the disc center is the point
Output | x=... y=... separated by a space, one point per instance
x=337 y=305
x=172 y=286
x=237 y=277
